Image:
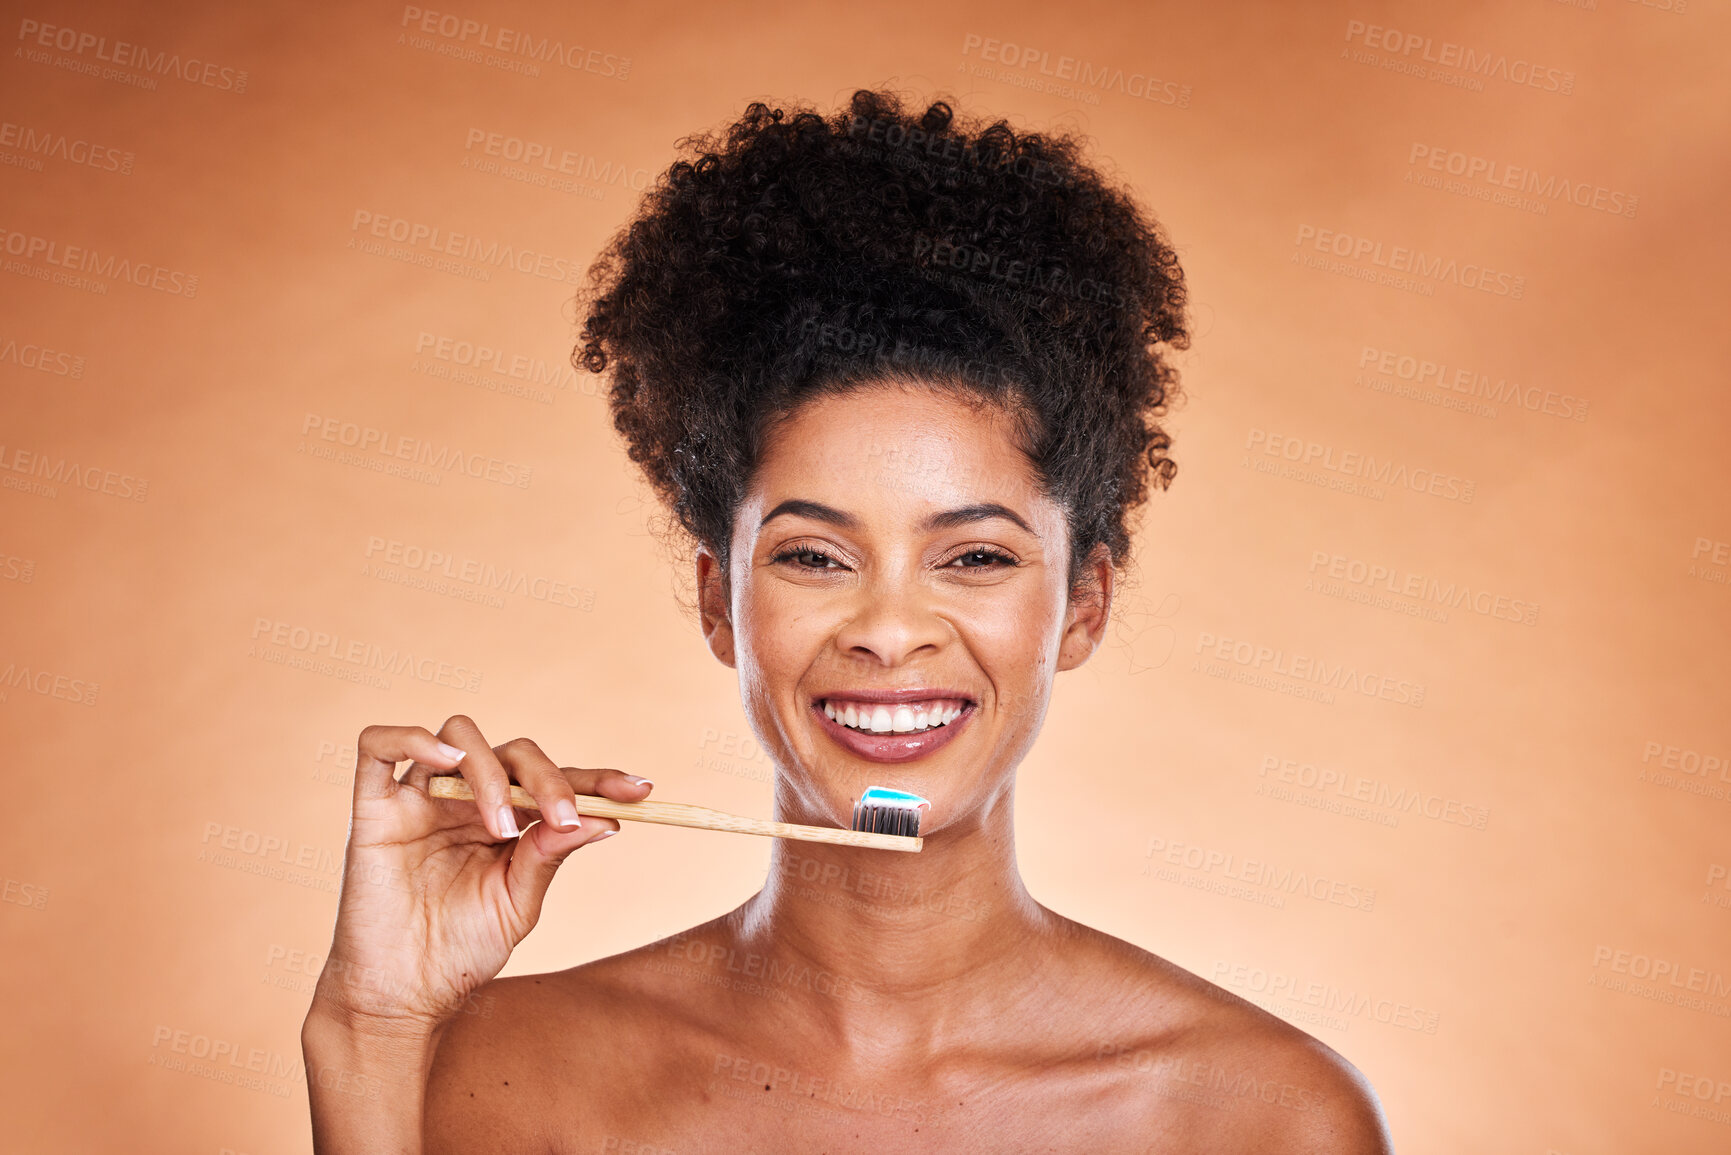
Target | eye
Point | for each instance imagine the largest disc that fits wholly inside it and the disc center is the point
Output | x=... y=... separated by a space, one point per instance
x=805 y=557
x=981 y=557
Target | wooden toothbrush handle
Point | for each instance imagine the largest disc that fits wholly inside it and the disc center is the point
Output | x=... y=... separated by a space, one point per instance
x=682 y=814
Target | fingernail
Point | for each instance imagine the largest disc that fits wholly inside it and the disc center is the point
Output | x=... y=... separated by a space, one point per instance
x=451 y=752
x=565 y=813
x=508 y=822
x=604 y=834
x=636 y=781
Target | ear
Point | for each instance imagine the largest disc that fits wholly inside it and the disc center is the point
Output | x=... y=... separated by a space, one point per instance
x=1090 y=610
x=712 y=606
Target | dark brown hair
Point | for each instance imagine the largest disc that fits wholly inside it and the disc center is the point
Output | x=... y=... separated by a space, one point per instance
x=793 y=254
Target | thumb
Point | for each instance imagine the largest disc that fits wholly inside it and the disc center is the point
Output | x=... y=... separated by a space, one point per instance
x=537 y=857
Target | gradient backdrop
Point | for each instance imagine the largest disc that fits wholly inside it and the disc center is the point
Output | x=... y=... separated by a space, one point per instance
x=1454 y=437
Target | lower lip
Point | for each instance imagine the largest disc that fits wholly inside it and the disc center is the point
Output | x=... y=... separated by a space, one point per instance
x=892 y=747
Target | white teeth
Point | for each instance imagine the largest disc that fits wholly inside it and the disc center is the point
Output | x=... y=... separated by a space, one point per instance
x=887 y=719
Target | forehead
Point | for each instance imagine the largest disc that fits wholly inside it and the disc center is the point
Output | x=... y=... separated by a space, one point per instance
x=898 y=442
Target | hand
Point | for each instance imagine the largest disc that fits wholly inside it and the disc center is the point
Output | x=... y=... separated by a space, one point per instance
x=437 y=892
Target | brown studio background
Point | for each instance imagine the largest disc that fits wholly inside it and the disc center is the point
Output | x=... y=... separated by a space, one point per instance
x=1532 y=957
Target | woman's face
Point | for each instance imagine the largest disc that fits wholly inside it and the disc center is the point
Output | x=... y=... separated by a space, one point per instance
x=899 y=603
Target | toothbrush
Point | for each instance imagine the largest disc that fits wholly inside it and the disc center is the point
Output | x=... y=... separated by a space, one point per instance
x=883 y=819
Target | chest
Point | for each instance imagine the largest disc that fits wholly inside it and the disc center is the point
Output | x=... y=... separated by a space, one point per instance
x=747 y=1105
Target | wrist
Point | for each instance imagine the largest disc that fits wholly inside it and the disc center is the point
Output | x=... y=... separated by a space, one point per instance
x=366 y=1079
x=331 y=1022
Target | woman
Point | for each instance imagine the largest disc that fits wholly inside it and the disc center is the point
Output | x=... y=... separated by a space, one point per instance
x=898 y=380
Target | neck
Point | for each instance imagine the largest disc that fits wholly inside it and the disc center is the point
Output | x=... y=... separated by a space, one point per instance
x=906 y=945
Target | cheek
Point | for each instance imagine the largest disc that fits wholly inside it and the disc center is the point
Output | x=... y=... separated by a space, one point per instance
x=1018 y=636
x=775 y=636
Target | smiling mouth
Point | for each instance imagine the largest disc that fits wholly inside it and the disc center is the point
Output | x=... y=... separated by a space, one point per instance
x=910 y=717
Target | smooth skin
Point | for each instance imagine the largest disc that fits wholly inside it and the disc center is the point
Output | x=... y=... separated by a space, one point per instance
x=862 y=1001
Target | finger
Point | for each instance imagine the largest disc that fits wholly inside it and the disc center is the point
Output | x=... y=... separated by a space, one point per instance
x=601 y=783
x=537 y=857
x=537 y=773
x=419 y=774
x=380 y=748
x=485 y=775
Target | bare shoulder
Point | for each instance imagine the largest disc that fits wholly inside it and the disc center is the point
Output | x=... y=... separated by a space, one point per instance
x=1303 y=1089
x=530 y=1054
x=496 y=1064
x=1211 y=1071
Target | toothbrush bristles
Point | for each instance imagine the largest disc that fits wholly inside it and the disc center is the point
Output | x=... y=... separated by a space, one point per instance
x=883 y=811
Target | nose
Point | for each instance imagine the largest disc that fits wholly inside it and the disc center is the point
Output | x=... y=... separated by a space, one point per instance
x=893 y=620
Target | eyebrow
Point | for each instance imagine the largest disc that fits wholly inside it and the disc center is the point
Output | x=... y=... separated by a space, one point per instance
x=947 y=519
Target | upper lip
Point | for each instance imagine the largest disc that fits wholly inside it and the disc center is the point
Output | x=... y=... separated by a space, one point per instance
x=913 y=694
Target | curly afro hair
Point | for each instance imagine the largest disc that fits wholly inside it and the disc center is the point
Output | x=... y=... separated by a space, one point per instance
x=792 y=255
